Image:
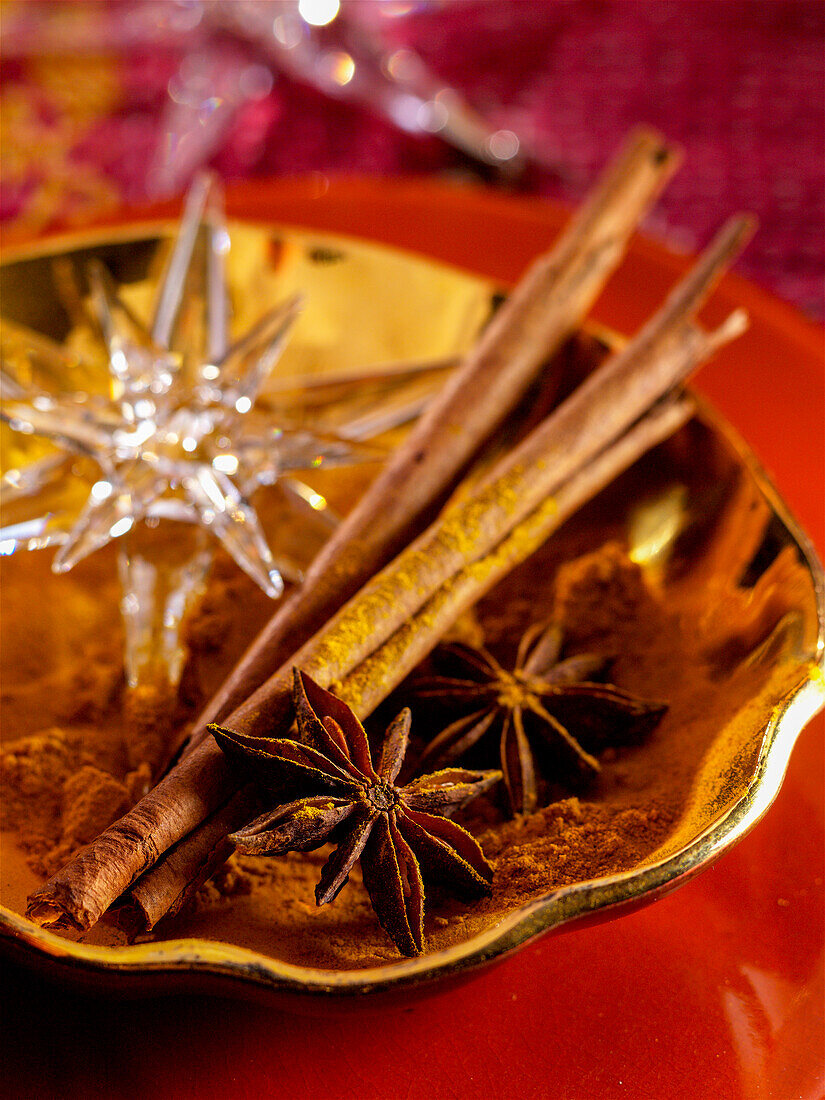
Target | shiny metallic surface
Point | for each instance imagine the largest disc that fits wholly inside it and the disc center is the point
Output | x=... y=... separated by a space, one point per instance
x=666 y=528
x=180 y=419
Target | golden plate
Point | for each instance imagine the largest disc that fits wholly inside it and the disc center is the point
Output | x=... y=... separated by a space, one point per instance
x=366 y=305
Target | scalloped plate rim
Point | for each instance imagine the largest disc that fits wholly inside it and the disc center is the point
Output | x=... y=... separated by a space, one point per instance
x=193 y=959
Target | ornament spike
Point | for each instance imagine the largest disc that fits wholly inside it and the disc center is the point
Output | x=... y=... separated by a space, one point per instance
x=217 y=296
x=110 y=512
x=174 y=431
x=175 y=277
x=248 y=363
x=235 y=523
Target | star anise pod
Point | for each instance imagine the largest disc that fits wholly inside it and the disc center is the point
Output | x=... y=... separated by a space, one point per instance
x=558 y=699
x=399 y=834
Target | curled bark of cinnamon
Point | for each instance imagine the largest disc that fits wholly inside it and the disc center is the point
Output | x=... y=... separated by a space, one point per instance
x=369 y=683
x=593 y=419
x=164 y=889
x=597 y=414
x=181 y=871
x=79 y=894
x=545 y=308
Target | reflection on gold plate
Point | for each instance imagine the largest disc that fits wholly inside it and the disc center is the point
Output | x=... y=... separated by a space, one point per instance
x=699 y=516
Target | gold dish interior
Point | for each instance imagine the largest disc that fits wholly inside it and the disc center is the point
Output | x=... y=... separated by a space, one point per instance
x=727 y=571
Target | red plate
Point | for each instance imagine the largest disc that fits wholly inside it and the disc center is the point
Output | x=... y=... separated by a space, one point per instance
x=716 y=991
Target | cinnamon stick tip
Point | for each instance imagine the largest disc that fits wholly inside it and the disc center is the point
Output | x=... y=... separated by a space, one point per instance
x=49 y=914
x=733 y=326
x=660 y=151
x=131 y=918
x=296 y=304
x=738 y=230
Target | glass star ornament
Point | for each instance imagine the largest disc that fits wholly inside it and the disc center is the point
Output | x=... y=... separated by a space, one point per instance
x=175 y=435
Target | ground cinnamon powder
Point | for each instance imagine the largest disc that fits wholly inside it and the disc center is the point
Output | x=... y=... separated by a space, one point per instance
x=75 y=756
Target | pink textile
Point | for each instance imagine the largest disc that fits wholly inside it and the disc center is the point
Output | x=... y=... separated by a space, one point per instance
x=740 y=84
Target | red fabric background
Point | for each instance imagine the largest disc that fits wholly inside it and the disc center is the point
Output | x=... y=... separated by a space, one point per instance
x=740 y=83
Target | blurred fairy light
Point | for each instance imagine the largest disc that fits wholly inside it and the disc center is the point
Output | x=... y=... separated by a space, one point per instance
x=504 y=145
x=318 y=13
x=286 y=32
x=338 y=67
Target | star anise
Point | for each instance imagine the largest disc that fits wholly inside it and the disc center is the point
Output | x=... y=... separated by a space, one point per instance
x=397 y=833
x=558 y=699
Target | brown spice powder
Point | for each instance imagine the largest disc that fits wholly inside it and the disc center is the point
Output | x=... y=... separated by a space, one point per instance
x=74 y=757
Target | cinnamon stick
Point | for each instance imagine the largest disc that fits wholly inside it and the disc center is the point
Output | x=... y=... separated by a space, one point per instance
x=181 y=871
x=380 y=673
x=607 y=403
x=164 y=889
x=584 y=426
x=545 y=308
